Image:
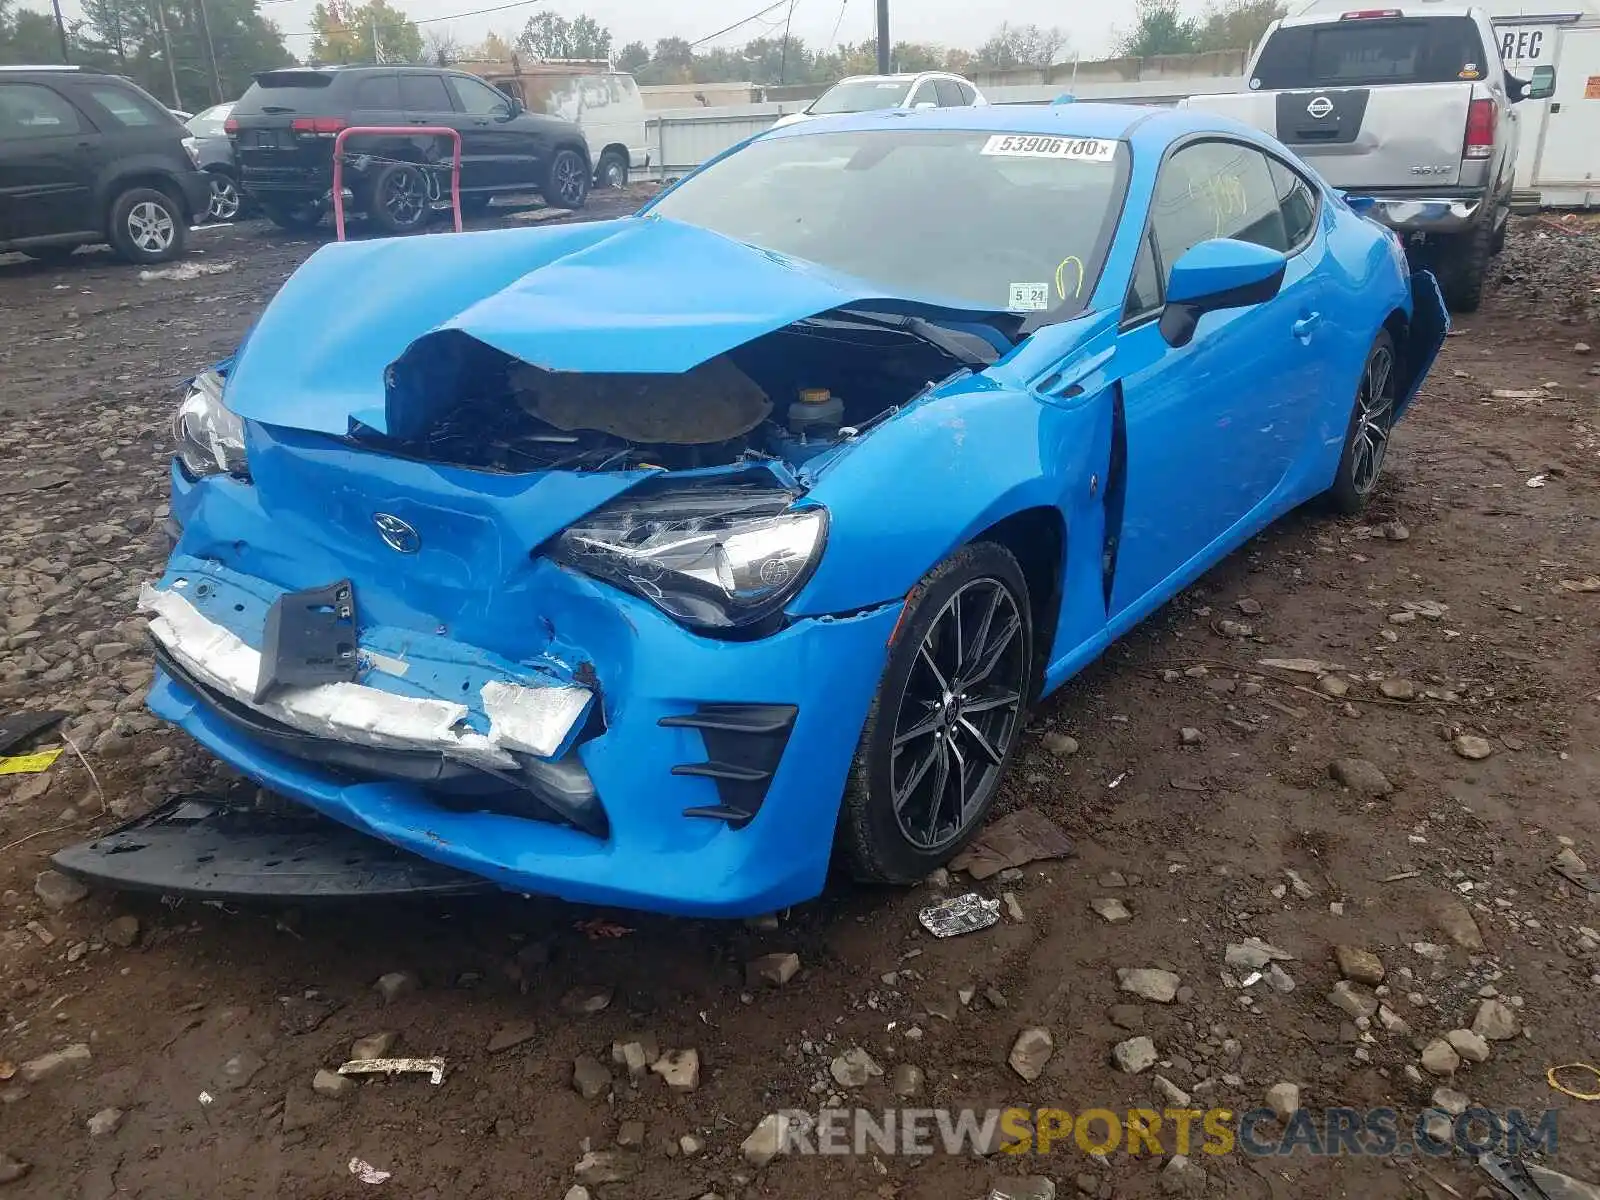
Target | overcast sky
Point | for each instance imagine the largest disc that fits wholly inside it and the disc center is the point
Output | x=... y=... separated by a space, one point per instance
x=1091 y=27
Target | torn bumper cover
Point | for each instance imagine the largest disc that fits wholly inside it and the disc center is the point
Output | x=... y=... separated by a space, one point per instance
x=536 y=720
x=715 y=766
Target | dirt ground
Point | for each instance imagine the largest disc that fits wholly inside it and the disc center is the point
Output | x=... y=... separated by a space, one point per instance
x=205 y=1025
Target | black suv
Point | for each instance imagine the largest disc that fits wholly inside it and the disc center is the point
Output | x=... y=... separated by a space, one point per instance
x=89 y=157
x=283 y=130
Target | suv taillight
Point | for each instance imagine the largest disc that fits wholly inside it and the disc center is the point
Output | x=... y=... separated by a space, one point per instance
x=318 y=126
x=1480 y=130
x=231 y=126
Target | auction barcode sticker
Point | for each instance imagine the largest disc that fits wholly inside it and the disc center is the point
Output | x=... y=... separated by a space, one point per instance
x=1029 y=145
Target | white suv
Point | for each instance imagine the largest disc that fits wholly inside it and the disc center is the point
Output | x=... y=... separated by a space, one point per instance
x=872 y=93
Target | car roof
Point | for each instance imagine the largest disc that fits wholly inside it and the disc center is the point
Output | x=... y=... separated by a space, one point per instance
x=1114 y=121
x=1334 y=13
x=901 y=77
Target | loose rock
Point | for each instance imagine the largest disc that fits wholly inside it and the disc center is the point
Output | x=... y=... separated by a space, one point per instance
x=773 y=970
x=1360 y=776
x=590 y=1079
x=1284 y=1100
x=1398 y=689
x=1470 y=1046
x=104 y=1123
x=1111 y=909
x=606 y=1166
x=12 y=1169
x=394 y=985
x=767 y=1140
x=1353 y=1000
x=680 y=1069
x=1440 y=1058
x=1470 y=745
x=1134 y=1055
x=586 y=1001
x=1149 y=983
x=1496 y=1021
x=332 y=1084
x=508 y=1037
x=374 y=1045
x=1060 y=744
x=57 y=1062
x=907 y=1080
x=1451 y=1101
x=1359 y=965
x=58 y=891
x=1458 y=923
x=854 y=1068
x=122 y=932
x=1030 y=1052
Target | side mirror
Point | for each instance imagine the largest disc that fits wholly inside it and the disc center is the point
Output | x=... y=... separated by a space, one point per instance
x=1542 y=85
x=1217 y=274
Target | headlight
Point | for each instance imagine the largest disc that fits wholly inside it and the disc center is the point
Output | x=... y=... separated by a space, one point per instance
x=210 y=437
x=715 y=557
x=192 y=147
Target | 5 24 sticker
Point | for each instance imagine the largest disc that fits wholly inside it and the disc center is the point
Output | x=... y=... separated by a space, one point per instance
x=1028 y=145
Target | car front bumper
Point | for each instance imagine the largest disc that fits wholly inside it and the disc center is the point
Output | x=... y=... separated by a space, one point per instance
x=685 y=734
x=196 y=186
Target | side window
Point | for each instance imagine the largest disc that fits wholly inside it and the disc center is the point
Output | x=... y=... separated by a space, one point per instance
x=924 y=94
x=476 y=98
x=128 y=110
x=1297 y=201
x=28 y=110
x=968 y=93
x=1216 y=190
x=377 y=92
x=424 y=94
x=949 y=93
x=1144 y=293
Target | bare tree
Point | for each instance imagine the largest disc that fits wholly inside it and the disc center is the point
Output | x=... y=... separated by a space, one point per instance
x=440 y=46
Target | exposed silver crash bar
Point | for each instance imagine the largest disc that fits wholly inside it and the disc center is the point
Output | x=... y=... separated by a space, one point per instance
x=533 y=720
x=1410 y=214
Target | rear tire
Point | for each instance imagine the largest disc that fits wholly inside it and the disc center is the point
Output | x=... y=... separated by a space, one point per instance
x=1366 y=439
x=941 y=730
x=567 y=183
x=296 y=218
x=147 y=226
x=612 y=171
x=399 y=200
x=1463 y=265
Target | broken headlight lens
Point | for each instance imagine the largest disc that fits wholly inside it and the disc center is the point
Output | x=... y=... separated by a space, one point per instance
x=209 y=436
x=716 y=557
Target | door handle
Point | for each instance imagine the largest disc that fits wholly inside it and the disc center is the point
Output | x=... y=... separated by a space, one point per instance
x=1306 y=326
x=419 y=120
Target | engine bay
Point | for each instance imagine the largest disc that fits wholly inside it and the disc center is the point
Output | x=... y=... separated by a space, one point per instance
x=791 y=395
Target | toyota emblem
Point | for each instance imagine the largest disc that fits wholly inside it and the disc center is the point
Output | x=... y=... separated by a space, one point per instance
x=398 y=535
x=1319 y=107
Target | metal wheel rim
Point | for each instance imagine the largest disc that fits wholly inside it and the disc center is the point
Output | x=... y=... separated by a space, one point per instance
x=958 y=715
x=1374 y=418
x=151 y=227
x=404 y=199
x=224 y=204
x=569 y=178
x=612 y=175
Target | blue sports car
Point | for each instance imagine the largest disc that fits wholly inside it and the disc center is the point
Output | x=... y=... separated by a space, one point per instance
x=659 y=562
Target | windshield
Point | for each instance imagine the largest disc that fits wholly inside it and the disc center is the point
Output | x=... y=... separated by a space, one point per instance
x=863 y=95
x=210 y=122
x=994 y=221
x=1364 y=53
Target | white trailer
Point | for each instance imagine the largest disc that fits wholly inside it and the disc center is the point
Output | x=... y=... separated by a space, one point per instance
x=1558 y=163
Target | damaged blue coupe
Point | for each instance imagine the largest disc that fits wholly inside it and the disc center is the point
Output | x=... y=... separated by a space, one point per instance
x=659 y=562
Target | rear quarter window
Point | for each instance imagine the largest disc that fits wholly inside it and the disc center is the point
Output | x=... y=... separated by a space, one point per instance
x=1369 y=53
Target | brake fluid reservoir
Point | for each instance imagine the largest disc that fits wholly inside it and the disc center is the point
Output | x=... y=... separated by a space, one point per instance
x=816 y=413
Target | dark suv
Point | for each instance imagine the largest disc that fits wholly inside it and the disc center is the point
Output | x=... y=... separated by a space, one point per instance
x=89 y=157
x=283 y=130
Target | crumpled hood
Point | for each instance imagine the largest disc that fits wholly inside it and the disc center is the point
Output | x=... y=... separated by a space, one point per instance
x=641 y=294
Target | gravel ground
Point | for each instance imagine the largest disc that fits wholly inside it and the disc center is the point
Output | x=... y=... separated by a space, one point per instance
x=154 y=1050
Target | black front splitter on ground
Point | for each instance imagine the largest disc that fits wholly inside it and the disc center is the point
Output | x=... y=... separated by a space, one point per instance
x=204 y=847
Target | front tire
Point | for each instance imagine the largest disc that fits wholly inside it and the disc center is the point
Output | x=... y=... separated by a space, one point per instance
x=946 y=720
x=567 y=185
x=147 y=226
x=1366 y=440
